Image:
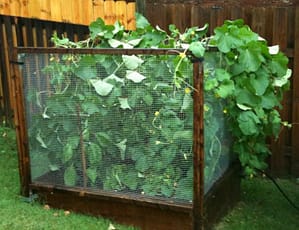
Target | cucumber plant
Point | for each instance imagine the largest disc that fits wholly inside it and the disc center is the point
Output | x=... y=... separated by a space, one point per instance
x=124 y=122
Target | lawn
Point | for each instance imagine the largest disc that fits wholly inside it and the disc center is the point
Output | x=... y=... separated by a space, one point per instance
x=261 y=205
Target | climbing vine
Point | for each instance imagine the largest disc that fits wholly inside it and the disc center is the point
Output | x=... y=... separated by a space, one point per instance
x=127 y=119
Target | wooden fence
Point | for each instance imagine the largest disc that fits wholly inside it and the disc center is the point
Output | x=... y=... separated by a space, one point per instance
x=72 y=11
x=15 y=31
x=277 y=21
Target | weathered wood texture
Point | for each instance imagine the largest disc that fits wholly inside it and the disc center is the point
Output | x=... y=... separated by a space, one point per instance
x=278 y=22
x=72 y=11
x=148 y=214
x=16 y=31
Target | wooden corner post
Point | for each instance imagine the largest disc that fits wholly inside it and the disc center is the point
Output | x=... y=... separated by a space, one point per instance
x=198 y=147
x=20 y=125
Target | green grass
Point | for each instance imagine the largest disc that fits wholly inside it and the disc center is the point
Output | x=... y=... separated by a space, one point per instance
x=261 y=206
x=15 y=213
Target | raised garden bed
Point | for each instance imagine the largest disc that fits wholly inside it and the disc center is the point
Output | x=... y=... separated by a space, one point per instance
x=117 y=133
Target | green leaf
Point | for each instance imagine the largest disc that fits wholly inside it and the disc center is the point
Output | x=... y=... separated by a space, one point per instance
x=102 y=88
x=210 y=83
x=132 y=61
x=243 y=107
x=122 y=148
x=94 y=153
x=113 y=79
x=90 y=107
x=225 y=89
x=269 y=100
x=260 y=81
x=67 y=152
x=279 y=64
x=97 y=28
x=248 y=123
x=134 y=76
x=54 y=167
x=187 y=101
x=92 y=174
x=86 y=68
x=141 y=164
x=222 y=74
x=245 y=97
x=279 y=82
x=148 y=99
x=70 y=176
x=141 y=21
x=73 y=141
x=226 y=39
x=124 y=103
x=197 y=49
x=250 y=58
x=117 y=44
x=166 y=190
x=184 y=189
x=130 y=179
x=104 y=139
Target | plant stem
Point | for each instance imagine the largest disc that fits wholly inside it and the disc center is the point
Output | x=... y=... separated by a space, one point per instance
x=83 y=155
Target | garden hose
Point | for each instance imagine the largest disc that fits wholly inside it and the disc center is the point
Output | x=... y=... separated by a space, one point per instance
x=279 y=188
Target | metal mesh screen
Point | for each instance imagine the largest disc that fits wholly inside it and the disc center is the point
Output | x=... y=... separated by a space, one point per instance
x=121 y=123
x=217 y=138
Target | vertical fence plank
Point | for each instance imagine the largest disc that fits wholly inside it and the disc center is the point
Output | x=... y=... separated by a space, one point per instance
x=295 y=129
x=55 y=10
x=5 y=7
x=45 y=7
x=121 y=12
x=109 y=12
x=34 y=8
x=131 y=8
x=279 y=162
x=98 y=9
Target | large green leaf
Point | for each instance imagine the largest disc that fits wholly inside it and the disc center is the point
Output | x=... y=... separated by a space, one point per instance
x=187 y=101
x=250 y=58
x=90 y=107
x=134 y=76
x=281 y=81
x=103 y=139
x=94 y=153
x=102 y=88
x=85 y=68
x=70 y=176
x=226 y=88
x=245 y=97
x=92 y=174
x=278 y=65
x=67 y=152
x=197 y=49
x=248 y=123
x=132 y=61
x=222 y=74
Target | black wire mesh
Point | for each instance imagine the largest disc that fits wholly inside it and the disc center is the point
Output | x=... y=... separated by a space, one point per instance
x=120 y=123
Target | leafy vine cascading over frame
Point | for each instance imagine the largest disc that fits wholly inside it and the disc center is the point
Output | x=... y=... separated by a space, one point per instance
x=244 y=82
